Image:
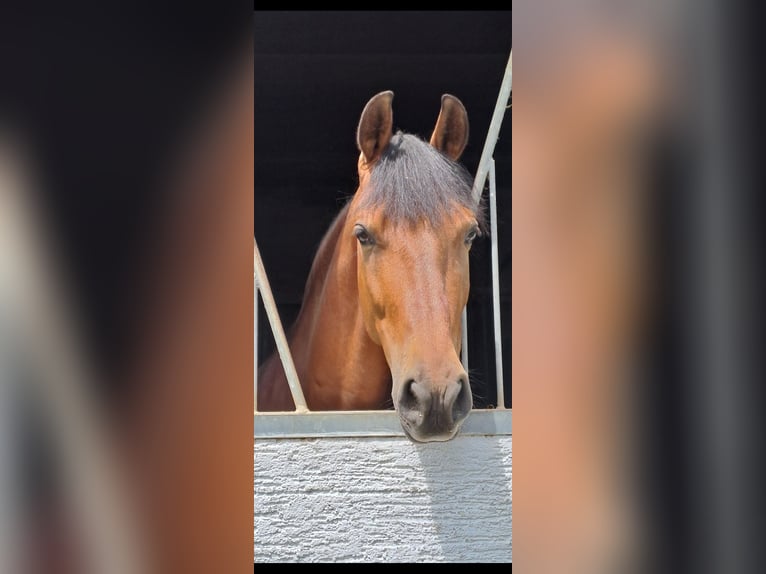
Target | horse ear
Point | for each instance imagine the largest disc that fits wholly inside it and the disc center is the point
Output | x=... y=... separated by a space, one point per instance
x=451 y=132
x=375 y=126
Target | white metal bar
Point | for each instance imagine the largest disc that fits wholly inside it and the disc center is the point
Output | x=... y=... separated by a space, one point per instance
x=464 y=336
x=366 y=423
x=279 y=334
x=494 y=131
x=255 y=346
x=496 y=287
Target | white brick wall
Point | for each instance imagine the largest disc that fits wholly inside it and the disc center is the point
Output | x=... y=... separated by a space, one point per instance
x=382 y=499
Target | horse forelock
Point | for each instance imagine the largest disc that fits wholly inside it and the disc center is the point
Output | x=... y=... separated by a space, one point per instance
x=413 y=181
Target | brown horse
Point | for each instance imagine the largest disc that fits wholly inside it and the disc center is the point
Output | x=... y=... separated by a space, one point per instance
x=381 y=312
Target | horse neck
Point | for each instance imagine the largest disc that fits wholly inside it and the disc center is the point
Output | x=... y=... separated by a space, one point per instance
x=340 y=367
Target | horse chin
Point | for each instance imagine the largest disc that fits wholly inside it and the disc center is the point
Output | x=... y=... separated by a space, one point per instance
x=416 y=438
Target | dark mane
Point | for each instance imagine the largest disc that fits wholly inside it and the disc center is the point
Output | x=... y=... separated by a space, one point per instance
x=412 y=180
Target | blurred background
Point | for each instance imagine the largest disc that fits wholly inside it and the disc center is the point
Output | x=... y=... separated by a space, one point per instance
x=636 y=290
x=126 y=272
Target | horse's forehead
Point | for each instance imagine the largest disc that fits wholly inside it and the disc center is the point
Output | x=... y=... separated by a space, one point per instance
x=456 y=216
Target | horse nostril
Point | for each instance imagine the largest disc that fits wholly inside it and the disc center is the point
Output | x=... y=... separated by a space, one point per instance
x=408 y=400
x=463 y=402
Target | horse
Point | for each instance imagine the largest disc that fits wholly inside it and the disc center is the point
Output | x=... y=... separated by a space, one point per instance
x=380 y=320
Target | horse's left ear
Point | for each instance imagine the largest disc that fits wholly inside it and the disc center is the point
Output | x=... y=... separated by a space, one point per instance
x=451 y=132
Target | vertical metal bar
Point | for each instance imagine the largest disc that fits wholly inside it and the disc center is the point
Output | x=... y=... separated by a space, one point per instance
x=279 y=333
x=464 y=345
x=255 y=346
x=494 y=130
x=496 y=287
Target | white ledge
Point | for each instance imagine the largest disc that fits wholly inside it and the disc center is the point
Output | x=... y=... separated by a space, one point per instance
x=491 y=422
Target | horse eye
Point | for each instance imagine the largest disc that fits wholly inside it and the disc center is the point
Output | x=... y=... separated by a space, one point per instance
x=471 y=236
x=363 y=236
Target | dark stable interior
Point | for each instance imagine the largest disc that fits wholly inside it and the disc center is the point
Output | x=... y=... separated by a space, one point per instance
x=314 y=72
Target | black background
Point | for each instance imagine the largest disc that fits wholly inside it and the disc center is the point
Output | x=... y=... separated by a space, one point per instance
x=105 y=98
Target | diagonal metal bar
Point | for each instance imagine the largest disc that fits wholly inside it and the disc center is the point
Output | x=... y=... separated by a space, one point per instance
x=494 y=131
x=255 y=346
x=262 y=284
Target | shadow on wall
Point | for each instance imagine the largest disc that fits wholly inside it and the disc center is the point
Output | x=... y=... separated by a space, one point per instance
x=470 y=510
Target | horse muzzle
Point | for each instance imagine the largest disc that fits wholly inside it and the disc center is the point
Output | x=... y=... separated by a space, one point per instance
x=431 y=412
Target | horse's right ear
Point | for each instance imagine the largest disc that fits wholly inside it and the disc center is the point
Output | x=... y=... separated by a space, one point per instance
x=375 y=126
